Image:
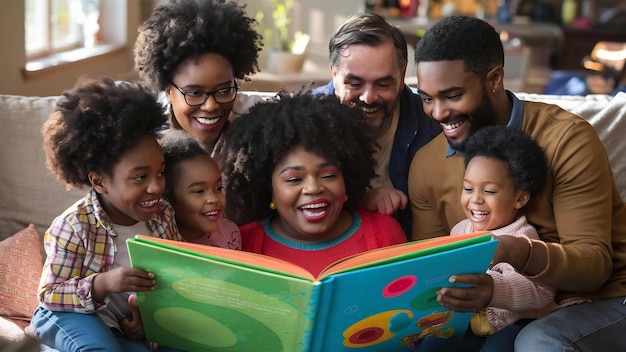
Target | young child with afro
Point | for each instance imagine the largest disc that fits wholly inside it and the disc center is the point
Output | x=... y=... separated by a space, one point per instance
x=102 y=136
x=504 y=169
x=194 y=188
x=298 y=166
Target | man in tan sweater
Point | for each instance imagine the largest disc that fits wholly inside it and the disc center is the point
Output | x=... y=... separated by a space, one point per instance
x=580 y=216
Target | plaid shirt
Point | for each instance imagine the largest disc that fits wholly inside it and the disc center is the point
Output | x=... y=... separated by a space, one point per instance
x=79 y=244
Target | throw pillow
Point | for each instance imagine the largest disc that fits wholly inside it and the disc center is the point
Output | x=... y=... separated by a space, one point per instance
x=20 y=269
x=10 y=332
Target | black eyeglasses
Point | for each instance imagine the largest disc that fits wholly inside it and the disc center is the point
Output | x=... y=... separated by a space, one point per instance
x=198 y=97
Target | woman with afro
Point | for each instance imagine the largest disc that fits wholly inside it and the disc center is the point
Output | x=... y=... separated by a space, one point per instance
x=297 y=167
x=195 y=51
x=101 y=136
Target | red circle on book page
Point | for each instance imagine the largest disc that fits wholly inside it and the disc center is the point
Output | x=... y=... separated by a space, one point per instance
x=399 y=286
x=366 y=335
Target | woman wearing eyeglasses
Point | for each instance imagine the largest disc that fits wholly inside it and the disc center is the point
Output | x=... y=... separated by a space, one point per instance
x=194 y=51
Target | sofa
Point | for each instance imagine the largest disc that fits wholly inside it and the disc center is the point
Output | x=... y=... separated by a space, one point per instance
x=30 y=196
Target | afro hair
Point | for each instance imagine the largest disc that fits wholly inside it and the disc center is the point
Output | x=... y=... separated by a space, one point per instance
x=94 y=123
x=183 y=30
x=525 y=158
x=259 y=140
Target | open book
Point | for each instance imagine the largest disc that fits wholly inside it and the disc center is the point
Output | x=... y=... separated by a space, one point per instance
x=210 y=298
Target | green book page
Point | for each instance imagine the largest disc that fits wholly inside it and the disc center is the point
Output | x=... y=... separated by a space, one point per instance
x=202 y=304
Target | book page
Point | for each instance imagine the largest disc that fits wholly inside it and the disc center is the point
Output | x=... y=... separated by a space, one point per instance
x=251 y=260
x=203 y=304
x=356 y=261
x=398 y=252
x=393 y=306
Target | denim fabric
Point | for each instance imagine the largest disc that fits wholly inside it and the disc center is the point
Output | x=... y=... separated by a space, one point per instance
x=596 y=326
x=70 y=331
x=502 y=340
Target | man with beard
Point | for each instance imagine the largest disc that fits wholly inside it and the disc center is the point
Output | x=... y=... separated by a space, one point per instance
x=368 y=59
x=579 y=215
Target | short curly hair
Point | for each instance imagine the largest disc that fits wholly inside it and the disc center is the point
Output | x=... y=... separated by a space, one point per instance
x=525 y=158
x=184 y=30
x=260 y=139
x=469 y=39
x=94 y=123
x=178 y=146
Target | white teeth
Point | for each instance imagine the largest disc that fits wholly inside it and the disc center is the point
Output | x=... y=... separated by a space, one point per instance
x=211 y=213
x=314 y=206
x=476 y=212
x=450 y=126
x=313 y=212
x=366 y=109
x=207 y=121
x=149 y=203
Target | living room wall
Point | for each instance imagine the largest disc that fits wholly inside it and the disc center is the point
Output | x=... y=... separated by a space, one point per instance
x=54 y=80
x=317 y=17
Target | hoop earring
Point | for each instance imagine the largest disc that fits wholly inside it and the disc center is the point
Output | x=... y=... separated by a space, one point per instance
x=272 y=206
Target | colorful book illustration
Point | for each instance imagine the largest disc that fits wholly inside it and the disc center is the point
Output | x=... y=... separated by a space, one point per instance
x=215 y=299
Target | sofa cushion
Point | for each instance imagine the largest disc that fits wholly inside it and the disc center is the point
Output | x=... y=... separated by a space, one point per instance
x=20 y=269
x=607 y=115
x=30 y=193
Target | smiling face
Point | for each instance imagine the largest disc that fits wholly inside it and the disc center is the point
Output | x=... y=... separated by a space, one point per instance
x=370 y=79
x=198 y=196
x=136 y=184
x=458 y=100
x=490 y=199
x=209 y=72
x=309 y=193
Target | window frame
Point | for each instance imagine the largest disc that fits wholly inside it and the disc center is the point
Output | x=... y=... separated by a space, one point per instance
x=41 y=29
x=113 y=37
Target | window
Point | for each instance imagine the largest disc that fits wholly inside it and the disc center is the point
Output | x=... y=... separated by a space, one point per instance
x=53 y=26
x=66 y=33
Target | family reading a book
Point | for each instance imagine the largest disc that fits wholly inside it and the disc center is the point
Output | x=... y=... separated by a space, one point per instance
x=548 y=273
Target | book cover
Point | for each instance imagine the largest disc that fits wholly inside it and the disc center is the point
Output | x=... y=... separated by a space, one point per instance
x=210 y=298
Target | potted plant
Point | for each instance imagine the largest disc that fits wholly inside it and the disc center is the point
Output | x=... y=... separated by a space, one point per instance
x=288 y=50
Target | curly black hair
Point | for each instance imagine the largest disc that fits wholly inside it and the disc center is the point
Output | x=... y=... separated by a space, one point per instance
x=177 y=146
x=525 y=158
x=94 y=123
x=184 y=30
x=259 y=139
x=367 y=29
x=465 y=38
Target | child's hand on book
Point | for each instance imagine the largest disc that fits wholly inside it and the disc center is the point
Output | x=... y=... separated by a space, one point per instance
x=132 y=324
x=467 y=299
x=122 y=279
